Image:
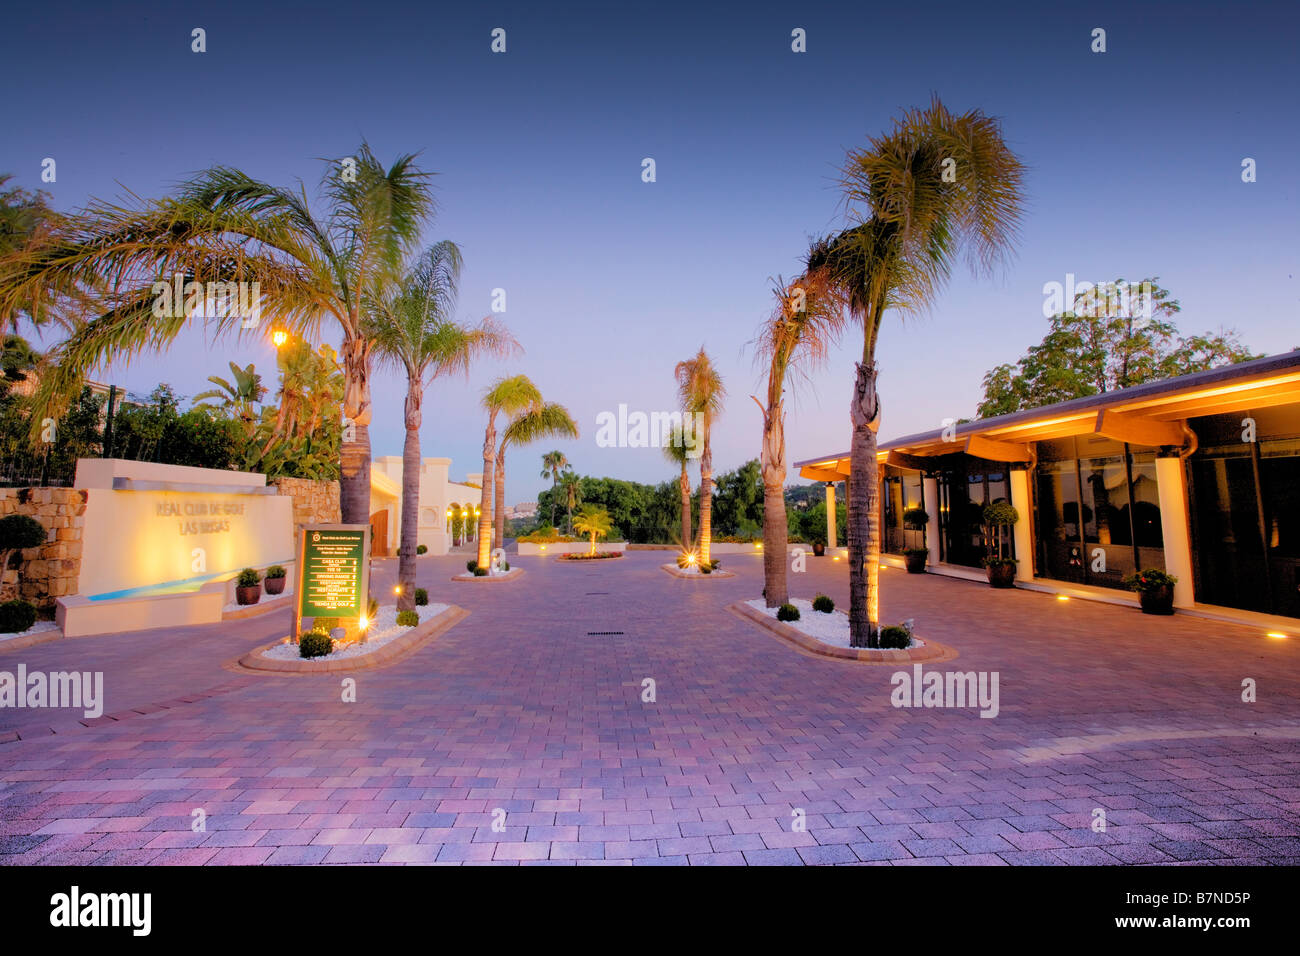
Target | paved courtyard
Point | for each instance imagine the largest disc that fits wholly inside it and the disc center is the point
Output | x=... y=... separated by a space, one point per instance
x=522 y=716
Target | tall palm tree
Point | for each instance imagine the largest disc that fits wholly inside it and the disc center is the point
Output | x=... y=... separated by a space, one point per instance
x=225 y=226
x=678 y=452
x=935 y=182
x=571 y=488
x=413 y=330
x=508 y=396
x=806 y=320
x=700 y=390
x=543 y=421
x=553 y=463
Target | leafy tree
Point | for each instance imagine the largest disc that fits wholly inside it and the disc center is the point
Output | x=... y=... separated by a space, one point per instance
x=1108 y=340
x=739 y=505
x=592 y=520
x=553 y=464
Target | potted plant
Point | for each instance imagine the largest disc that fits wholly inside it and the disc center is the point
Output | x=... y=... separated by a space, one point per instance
x=1000 y=566
x=248 y=587
x=817 y=537
x=916 y=558
x=275 y=578
x=1155 y=590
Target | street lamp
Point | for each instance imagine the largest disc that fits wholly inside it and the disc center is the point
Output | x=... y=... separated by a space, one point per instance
x=279 y=337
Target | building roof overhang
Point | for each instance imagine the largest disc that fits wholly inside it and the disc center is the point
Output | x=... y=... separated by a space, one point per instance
x=1153 y=415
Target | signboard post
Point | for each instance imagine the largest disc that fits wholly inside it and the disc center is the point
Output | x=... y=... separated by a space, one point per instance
x=333 y=572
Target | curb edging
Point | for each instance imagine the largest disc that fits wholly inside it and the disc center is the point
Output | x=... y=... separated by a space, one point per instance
x=931 y=651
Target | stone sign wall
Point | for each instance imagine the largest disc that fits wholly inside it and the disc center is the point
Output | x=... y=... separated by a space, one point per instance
x=314 y=502
x=53 y=570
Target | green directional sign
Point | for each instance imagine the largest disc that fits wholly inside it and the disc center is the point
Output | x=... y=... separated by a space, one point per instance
x=333 y=570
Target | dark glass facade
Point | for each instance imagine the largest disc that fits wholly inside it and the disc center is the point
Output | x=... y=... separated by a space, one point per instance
x=966 y=485
x=901 y=490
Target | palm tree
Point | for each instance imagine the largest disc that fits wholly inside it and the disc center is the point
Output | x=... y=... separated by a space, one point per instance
x=700 y=390
x=571 y=487
x=593 y=520
x=553 y=463
x=509 y=396
x=544 y=421
x=936 y=181
x=679 y=453
x=806 y=320
x=412 y=330
x=225 y=226
x=239 y=395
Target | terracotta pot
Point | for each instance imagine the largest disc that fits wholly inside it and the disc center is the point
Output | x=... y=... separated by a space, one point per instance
x=248 y=595
x=1002 y=575
x=819 y=549
x=274 y=585
x=1158 y=600
x=915 y=563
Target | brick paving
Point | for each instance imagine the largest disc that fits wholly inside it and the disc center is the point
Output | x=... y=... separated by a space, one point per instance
x=517 y=739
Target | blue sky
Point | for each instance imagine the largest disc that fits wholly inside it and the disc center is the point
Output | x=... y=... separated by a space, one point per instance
x=1134 y=162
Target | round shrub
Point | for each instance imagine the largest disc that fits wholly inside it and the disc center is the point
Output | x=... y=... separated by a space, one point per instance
x=471 y=566
x=824 y=604
x=314 y=643
x=896 y=637
x=706 y=569
x=421 y=597
x=276 y=571
x=408 y=618
x=787 y=612
x=248 y=578
x=16 y=616
x=19 y=532
x=480 y=572
x=421 y=549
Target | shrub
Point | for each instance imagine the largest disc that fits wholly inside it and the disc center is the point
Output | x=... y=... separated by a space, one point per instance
x=408 y=618
x=993 y=561
x=16 y=616
x=325 y=624
x=915 y=518
x=706 y=569
x=276 y=571
x=19 y=532
x=248 y=578
x=916 y=552
x=787 y=612
x=545 y=535
x=471 y=566
x=824 y=604
x=715 y=564
x=314 y=643
x=1149 y=579
x=421 y=597
x=480 y=572
x=505 y=565
x=896 y=637
x=1000 y=513
x=421 y=549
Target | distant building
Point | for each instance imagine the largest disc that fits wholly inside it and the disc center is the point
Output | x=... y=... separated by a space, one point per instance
x=438 y=494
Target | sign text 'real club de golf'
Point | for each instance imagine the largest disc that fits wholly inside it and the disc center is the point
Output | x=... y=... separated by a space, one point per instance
x=333 y=570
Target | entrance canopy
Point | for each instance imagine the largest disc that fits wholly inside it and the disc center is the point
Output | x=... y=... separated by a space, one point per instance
x=1152 y=415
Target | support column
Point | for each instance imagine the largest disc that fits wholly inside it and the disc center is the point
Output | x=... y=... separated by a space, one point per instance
x=1020 y=530
x=830 y=515
x=1171 y=485
x=930 y=502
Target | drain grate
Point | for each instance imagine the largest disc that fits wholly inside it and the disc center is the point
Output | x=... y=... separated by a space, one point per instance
x=604 y=633
x=597 y=592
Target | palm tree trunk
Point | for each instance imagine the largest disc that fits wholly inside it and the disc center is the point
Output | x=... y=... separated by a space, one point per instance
x=499 y=515
x=354 y=465
x=485 y=501
x=555 y=490
x=864 y=512
x=410 y=498
x=776 y=533
x=685 y=484
x=706 y=498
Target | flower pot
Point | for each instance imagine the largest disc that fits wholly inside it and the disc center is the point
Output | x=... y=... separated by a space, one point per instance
x=915 y=563
x=819 y=549
x=1158 y=600
x=274 y=585
x=249 y=595
x=1002 y=575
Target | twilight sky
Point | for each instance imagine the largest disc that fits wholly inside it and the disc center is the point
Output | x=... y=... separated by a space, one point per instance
x=1134 y=162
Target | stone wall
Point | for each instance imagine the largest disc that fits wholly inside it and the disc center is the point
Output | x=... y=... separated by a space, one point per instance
x=52 y=570
x=314 y=502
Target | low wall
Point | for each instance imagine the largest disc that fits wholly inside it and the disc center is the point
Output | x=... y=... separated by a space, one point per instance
x=53 y=569
x=569 y=547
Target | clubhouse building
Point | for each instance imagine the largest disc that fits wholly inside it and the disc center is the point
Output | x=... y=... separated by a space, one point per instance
x=1198 y=475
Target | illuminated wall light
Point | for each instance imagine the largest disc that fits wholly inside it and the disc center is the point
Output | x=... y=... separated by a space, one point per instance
x=1062 y=597
x=279 y=337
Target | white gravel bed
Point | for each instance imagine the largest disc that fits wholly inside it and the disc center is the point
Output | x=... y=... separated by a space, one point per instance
x=36 y=628
x=832 y=629
x=383 y=629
